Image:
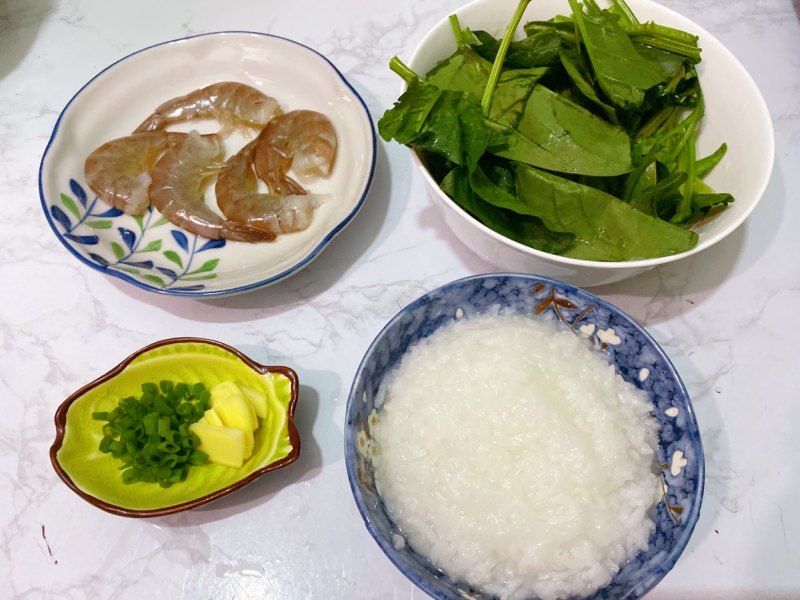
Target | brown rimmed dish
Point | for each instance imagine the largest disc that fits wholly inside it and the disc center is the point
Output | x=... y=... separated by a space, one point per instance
x=95 y=477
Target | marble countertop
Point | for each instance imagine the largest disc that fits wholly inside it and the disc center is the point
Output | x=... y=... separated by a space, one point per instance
x=722 y=316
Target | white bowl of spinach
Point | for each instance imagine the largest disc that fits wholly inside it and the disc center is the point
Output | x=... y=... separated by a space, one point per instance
x=597 y=143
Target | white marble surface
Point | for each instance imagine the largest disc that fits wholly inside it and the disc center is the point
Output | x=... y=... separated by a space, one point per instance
x=725 y=317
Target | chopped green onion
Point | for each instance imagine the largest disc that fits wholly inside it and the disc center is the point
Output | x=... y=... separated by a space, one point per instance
x=178 y=475
x=164 y=426
x=105 y=444
x=198 y=457
x=150 y=435
x=150 y=422
x=149 y=388
x=130 y=476
x=168 y=447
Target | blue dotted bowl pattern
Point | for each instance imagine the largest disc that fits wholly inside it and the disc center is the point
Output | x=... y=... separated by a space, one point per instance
x=639 y=360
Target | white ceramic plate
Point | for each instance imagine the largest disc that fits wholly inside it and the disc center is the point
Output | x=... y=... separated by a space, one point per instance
x=154 y=254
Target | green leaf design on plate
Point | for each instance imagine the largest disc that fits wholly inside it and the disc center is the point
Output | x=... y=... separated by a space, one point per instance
x=98 y=474
x=104 y=224
x=153 y=246
x=118 y=250
x=154 y=279
x=209 y=265
x=71 y=206
x=135 y=238
x=174 y=257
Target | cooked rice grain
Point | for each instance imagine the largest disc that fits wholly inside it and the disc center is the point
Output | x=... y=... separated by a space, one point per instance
x=514 y=456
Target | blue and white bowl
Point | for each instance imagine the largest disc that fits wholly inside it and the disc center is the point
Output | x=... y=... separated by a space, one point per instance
x=148 y=251
x=637 y=357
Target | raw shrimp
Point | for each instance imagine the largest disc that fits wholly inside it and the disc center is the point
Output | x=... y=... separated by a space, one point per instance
x=239 y=200
x=177 y=190
x=231 y=103
x=303 y=140
x=119 y=170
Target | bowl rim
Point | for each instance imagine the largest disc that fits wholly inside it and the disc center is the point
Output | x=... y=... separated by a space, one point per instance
x=646 y=263
x=238 y=289
x=350 y=451
x=60 y=420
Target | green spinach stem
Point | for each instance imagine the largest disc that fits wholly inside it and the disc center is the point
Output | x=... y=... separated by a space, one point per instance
x=494 y=75
x=399 y=67
x=456 y=27
x=626 y=12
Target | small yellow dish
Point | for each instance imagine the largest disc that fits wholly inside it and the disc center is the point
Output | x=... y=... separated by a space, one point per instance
x=95 y=476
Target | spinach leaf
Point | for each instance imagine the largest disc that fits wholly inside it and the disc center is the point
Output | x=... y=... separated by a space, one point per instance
x=646 y=176
x=523 y=229
x=662 y=198
x=702 y=202
x=576 y=69
x=643 y=176
x=622 y=73
x=704 y=199
x=466 y=71
x=537 y=50
x=605 y=228
x=446 y=122
x=510 y=99
x=463 y=71
x=670 y=63
x=406 y=118
x=558 y=135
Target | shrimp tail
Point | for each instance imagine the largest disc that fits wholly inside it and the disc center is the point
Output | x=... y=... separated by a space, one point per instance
x=243 y=232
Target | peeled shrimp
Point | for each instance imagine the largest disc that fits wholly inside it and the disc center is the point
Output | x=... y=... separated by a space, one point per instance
x=239 y=200
x=179 y=179
x=233 y=104
x=119 y=170
x=303 y=140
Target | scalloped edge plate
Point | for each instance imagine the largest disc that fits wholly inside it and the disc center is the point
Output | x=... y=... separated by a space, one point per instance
x=148 y=251
x=86 y=471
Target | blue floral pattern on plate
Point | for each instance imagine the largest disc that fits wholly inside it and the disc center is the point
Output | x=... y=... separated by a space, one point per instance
x=638 y=358
x=132 y=251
